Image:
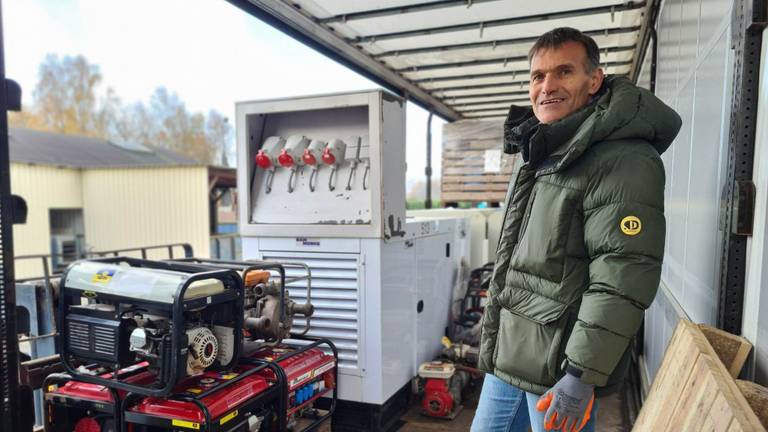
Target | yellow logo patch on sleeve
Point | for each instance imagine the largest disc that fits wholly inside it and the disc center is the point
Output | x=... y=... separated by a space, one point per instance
x=631 y=225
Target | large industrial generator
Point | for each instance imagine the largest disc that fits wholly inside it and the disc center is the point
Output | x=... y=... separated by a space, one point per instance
x=322 y=181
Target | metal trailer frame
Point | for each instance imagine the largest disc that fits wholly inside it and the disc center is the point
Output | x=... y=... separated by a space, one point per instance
x=232 y=294
x=14 y=415
x=737 y=202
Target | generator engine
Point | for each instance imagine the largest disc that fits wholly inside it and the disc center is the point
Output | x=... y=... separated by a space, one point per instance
x=442 y=389
x=180 y=319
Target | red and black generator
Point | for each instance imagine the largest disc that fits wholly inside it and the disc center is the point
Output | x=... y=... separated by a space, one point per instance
x=270 y=390
x=85 y=407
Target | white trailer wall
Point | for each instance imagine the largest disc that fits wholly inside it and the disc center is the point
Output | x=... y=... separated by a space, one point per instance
x=693 y=76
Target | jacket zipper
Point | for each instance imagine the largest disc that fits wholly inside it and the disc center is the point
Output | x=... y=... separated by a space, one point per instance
x=526 y=217
x=508 y=200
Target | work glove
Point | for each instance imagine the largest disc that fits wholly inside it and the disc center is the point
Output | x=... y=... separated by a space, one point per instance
x=568 y=404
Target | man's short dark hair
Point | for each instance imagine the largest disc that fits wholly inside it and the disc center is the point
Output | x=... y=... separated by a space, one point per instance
x=557 y=37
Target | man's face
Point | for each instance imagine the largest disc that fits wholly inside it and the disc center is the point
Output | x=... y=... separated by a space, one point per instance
x=560 y=81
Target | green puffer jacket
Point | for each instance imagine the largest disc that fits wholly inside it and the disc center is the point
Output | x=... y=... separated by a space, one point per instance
x=579 y=257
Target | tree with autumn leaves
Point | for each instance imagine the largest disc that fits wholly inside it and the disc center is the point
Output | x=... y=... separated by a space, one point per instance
x=67 y=100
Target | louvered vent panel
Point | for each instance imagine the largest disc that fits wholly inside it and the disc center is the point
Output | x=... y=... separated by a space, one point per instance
x=335 y=297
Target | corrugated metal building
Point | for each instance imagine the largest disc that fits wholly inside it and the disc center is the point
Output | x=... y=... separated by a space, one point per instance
x=104 y=196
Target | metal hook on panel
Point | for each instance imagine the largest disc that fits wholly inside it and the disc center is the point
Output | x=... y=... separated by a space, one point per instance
x=312 y=180
x=331 y=177
x=270 y=177
x=482 y=27
x=365 y=175
x=349 y=179
x=613 y=14
x=355 y=162
x=291 y=180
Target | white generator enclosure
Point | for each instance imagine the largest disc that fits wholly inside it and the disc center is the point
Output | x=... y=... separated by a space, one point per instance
x=381 y=284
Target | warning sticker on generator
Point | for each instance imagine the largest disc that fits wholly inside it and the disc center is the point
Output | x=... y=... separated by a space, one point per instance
x=228 y=417
x=322 y=369
x=103 y=276
x=185 y=424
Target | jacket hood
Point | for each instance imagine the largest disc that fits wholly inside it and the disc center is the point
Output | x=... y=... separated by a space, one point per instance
x=620 y=111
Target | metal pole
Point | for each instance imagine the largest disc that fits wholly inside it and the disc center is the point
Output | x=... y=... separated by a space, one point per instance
x=9 y=346
x=428 y=169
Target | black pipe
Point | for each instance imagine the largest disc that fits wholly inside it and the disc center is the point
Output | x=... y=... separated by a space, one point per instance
x=428 y=169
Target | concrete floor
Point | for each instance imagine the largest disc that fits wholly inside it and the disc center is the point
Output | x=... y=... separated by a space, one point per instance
x=611 y=416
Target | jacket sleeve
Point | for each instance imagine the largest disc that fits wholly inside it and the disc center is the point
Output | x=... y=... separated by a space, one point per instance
x=507 y=240
x=624 y=229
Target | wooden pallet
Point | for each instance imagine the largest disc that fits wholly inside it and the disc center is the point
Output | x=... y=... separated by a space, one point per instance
x=693 y=389
x=471 y=148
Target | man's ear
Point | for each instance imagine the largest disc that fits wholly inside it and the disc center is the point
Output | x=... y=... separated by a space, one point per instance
x=597 y=81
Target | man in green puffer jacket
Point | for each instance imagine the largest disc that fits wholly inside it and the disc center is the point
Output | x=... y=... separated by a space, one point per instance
x=579 y=256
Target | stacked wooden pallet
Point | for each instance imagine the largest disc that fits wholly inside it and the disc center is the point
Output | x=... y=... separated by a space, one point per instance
x=475 y=169
x=695 y=389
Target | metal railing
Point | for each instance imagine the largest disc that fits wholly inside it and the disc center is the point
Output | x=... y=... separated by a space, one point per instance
x=226 y=246
x=48 y=271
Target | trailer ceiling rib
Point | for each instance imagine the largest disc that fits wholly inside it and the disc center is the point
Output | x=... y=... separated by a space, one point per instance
x=456 y=58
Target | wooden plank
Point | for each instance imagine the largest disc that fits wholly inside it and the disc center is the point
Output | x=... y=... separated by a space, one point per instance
x=473 y=170
x=477 y=154
x=672 y=387
x=487 y=178
x=472 y=196
x=757 y=398
x=731 y=349
x=495 y=144
x=464 y=163
x=694 y=391
x=461 y=154
x=656 y=395
x=697 y=397
x=477 y=187
x=480 y=163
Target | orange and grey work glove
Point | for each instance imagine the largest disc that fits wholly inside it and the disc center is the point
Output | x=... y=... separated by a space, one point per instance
x=568 y=404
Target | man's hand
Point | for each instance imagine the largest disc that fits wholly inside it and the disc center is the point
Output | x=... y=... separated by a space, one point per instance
x=568 y=404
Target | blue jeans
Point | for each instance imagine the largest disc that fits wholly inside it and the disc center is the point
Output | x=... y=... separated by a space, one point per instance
x=501 y=409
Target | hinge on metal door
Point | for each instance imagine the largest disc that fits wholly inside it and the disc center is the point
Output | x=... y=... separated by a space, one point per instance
x=743 y=207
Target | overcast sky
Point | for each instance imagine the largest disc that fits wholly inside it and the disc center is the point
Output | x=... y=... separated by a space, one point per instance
x=209 y=52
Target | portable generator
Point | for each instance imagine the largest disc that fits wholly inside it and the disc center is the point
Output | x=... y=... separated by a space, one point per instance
x=310 y=374
x=270 y=390
x=181 y=319
x=442 y=389
x=238 y=400
x=71 y=405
